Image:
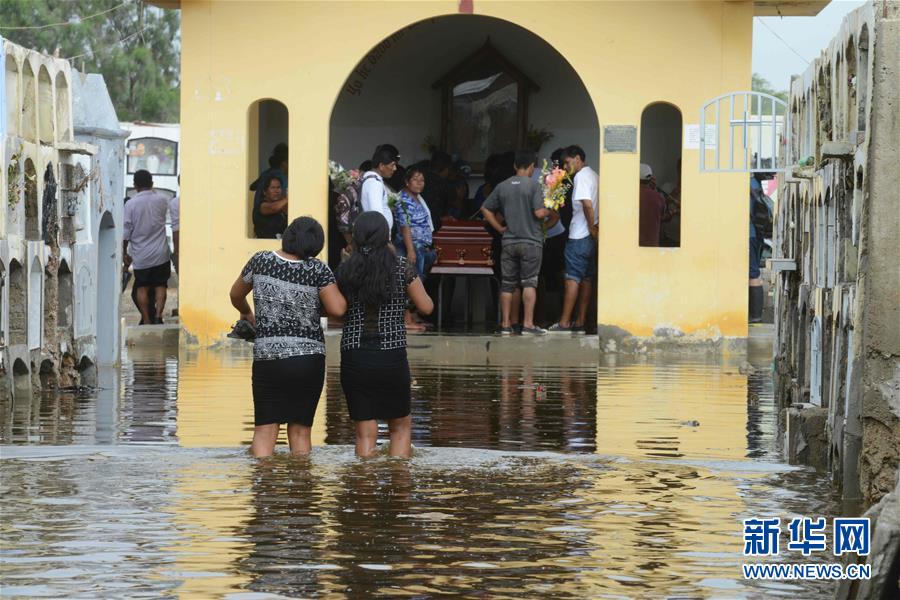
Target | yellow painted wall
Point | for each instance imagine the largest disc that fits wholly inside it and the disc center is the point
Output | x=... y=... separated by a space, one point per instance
x=629 y=54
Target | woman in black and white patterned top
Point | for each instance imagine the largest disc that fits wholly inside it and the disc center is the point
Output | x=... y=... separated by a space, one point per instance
x=374 y=368
x=289 y=288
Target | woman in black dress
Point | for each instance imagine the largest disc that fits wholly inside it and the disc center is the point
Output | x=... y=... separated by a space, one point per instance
x=374 y=369
x=289 y=286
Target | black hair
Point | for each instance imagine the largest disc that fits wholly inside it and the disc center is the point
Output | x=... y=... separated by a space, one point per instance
x=303 y=238
x=280 y=152
x=412 y=170
x=491 y=165
x=275 y=162
x=390 y=148
x=266 y=180
x=505 y=168
x=368 y=274
x=143 y=180
x=441 y=161
x=383 y=156
x=574 y=151
x=557 y=155
x=524 y=159
x=365 y=165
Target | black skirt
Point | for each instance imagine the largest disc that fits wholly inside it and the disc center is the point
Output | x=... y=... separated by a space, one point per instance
x=376 y=383
x=287 y=390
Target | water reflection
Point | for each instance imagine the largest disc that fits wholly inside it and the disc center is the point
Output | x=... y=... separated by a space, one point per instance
x=624 y=478
x=203 y=522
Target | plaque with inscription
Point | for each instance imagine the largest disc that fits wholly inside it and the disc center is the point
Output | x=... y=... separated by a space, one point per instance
x=620 y=138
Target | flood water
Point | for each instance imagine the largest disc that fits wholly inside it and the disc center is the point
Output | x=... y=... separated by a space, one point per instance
x=595 y=478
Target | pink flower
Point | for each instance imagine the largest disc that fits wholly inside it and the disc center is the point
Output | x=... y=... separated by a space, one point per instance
x=551 y=180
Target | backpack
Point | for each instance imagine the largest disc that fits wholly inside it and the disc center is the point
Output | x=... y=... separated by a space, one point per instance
x=349 y=204
x=762 y=214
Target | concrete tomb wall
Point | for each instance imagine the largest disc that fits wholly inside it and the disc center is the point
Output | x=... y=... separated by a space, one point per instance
x=49 y=231
x=837 y=316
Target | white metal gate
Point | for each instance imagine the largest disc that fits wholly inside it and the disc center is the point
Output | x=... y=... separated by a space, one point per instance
x=745 y=132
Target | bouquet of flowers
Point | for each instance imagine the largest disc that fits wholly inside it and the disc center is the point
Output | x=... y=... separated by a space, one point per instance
x=555 y=183
x=341 y=177
x=394 y=199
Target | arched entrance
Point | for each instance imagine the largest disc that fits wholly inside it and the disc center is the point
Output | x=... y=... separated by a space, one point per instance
x=509 y=89
x=107 y=293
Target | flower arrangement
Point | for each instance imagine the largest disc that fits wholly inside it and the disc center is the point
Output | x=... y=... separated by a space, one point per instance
x=393 y=199
x=341 y=177
x=555 y=183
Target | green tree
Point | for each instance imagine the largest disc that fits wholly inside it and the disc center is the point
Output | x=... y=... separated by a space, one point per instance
x=134 y=46
x=761 y=84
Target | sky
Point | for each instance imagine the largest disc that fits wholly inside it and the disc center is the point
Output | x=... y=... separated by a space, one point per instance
x=808 y=36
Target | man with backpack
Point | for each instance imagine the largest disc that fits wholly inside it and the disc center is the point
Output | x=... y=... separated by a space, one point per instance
x=374 y=190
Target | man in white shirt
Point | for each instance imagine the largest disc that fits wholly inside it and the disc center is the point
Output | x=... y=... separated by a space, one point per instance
x=581 y=247
x=145 y=233
x=374 y=193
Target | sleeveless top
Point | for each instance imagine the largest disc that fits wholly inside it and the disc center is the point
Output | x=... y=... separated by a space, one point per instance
x=384 y=328
x=286 y=304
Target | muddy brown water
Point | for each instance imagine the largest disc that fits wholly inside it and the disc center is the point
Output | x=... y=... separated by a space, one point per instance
x=618 y=479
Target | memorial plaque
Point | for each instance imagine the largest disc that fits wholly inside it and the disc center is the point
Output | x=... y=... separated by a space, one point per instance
x=620 y=138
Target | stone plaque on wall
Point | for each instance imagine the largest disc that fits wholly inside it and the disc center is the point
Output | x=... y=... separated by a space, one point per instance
x=620 y=138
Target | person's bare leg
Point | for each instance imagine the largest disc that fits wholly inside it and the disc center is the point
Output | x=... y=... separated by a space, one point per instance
x=264 y=439
x=401 y=436
x=505 y=303
x=569 y=298
x=298 y=439
x=529 y=296
x=366 y=438
x=160 y=301
x=514 y=307
x=584 y=300
x=143 y=298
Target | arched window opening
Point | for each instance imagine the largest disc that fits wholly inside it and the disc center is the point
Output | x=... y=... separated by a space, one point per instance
x=848 y=118
x=32 y=212
x=862 y=73
x=35 y=294
x=29 y=117
x=46 y=106
x=65 y=298
x=87 y=372
x=660 y=176
x=21 y=380
x=12 y=96
x=63 y=112
x=3 y=284
x=49 y=216
x=823 y=106
x=17 y=304
x=267 y=157
x=48 y=375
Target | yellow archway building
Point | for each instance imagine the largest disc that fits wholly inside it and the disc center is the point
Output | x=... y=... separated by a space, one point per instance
x=628 y=56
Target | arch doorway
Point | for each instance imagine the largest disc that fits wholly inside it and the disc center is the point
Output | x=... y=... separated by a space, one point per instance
x=107 y=293
x=473 y=87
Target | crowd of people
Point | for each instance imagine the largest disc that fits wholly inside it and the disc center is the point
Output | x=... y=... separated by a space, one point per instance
x=561 y=248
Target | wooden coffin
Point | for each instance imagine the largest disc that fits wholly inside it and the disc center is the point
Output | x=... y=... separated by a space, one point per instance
x=462 y=244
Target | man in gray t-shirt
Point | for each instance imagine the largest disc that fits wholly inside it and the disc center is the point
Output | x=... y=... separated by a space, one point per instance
x=520 y=200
